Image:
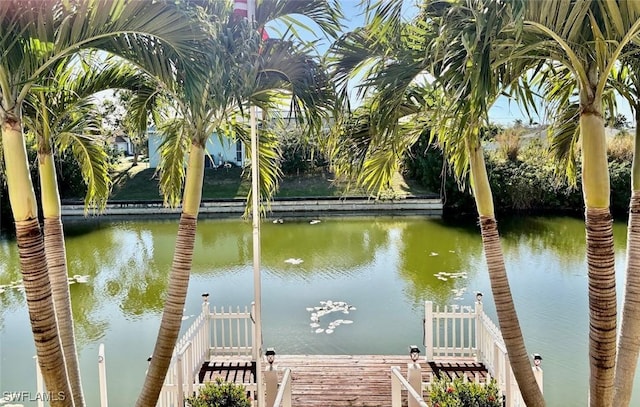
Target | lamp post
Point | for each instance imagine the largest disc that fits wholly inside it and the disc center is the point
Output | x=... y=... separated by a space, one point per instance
x=537 y=370
x=414 y=374
x=414 y=353
x=271 y=357
x=537 y=359
x=271 y=378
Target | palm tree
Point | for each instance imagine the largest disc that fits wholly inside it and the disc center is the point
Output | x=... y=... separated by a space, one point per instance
x=34 y=36
x=627 y=82
x=62 y=116
x=587 y=38
x=457 y=43
x=242 y=67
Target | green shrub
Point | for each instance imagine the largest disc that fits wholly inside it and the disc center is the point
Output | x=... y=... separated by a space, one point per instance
x=458 y=393
x=526 y=184
x=220 y=394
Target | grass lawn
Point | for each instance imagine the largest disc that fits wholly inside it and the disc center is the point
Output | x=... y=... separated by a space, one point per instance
x=139 y=183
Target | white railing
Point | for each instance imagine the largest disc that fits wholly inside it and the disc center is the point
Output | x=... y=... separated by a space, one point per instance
x=232 y=332
x=467 y=332
x=102 y=380
x=213 y=333
x=398 y=383
x=283 y=396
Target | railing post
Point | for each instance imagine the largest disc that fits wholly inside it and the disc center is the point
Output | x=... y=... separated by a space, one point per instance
x=271 y=384
x=190 y=368
x=206 y=313
x=479 y=330
x=428 y=331
x=179 y=380
x=102 y=376
x=39 y=384
x=254 y=345
x=508 y=382
x=414 y=377
x=396 y=390
x=537 y=371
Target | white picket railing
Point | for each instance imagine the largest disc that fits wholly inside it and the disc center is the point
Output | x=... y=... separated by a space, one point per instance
x=467 y=332
x=221 y=332
x=102 y=381
x=283 y=396
x=398 y=382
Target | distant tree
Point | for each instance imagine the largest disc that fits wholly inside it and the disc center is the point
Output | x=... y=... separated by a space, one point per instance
x=619 y=121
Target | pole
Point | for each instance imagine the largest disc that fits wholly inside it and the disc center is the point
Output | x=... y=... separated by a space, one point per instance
x=255 y=202
x=257 y=289
x=102 y=376
x=247 y=8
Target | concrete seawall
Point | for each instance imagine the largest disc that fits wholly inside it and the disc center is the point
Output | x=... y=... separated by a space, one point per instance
x=329 y=206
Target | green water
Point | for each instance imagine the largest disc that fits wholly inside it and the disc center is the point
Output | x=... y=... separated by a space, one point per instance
x=385 y=267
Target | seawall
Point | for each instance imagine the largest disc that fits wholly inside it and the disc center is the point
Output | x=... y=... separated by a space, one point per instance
x=230 y=208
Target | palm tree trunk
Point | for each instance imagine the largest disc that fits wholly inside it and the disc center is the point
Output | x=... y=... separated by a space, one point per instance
x=600 y=257
x=57 y=261
x=505 y=308
x=629 y=340
x=178 y=281
x=33 y=262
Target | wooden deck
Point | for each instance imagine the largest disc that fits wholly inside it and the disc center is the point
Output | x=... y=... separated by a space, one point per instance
x=344 y=380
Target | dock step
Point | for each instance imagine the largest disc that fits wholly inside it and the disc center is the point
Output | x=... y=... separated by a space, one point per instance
x=452 y=370
x=243 y=371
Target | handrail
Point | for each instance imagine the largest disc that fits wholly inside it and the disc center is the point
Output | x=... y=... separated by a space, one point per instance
x=398 y=379
x=284 y=392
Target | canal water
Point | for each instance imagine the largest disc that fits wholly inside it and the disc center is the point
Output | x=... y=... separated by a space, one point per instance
x=384 y=267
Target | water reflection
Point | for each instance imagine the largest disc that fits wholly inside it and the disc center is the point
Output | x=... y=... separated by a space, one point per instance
x=441 y=250
x=331 y=247
x=386 y=267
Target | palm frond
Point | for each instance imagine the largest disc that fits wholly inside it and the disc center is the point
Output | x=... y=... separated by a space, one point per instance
x=326 y=14
x=564 y=135
x=173 y=150
x=268 y=164
x=88 y=150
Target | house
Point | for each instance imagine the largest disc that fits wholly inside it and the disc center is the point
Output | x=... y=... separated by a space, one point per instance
x=122 y=143
x=218 y=150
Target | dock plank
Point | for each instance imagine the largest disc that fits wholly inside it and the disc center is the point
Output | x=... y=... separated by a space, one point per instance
x=344 y=380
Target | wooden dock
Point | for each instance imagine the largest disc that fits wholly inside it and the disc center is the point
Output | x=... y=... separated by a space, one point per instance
x=460 y=342
x=345 y=380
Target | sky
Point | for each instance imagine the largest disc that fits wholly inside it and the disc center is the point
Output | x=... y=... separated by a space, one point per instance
x=504 y=112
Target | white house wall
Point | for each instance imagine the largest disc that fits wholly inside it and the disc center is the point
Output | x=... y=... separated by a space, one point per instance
x=219 y=150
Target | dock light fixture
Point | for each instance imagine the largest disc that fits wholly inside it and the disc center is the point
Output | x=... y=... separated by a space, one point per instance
x=205 y=297
x=479 y=296
x=271 y=356
x=414 y=353
x=537 y=359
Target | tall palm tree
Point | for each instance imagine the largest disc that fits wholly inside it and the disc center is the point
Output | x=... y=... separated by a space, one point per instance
x=458 y=44
x=61 y=114
x=627 y=82
x=33 y=36
x=242 y=67
x=588 y=38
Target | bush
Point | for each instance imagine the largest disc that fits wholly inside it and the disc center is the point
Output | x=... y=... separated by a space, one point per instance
x=220 y=394
x=458 y=393
x=620 y=147
x=509 y=143
x=527 y=184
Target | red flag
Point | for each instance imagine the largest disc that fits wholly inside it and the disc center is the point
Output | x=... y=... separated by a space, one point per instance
x=241 y=8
